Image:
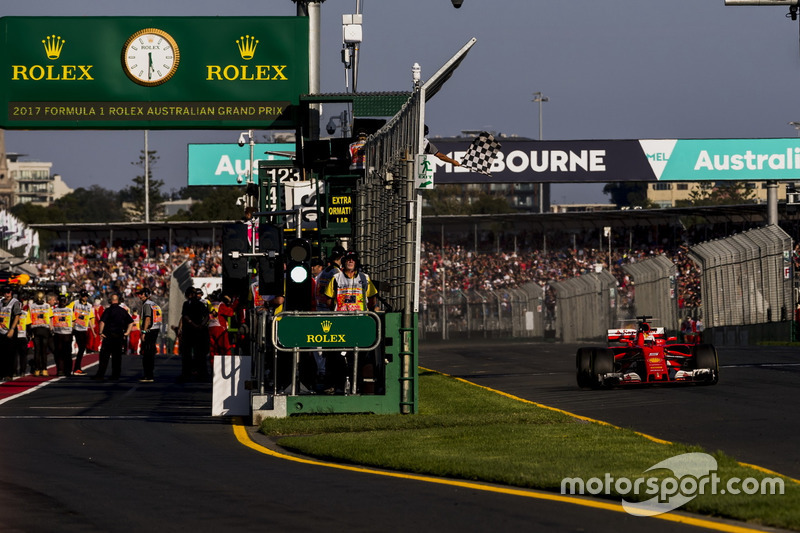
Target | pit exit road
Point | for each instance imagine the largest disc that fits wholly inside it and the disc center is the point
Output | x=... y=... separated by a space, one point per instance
x=751 y=414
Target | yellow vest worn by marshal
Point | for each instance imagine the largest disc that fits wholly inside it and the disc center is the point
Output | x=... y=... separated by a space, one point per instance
x=6 y=312
x=83 y=315
x=39 y=315
x=62 y=320
x=23 y=323
x=158 y=315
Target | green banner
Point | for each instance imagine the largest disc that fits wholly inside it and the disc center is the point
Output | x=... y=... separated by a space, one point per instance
x=229 y=164
x=724 y=159
x=152 y=72
x=327 y=330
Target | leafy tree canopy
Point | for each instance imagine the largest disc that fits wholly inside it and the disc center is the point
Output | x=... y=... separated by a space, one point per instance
x=721 y=193
x=457 y=200
x=218 y=203
x=94 y=204
x=629 y=194
x=135 y=194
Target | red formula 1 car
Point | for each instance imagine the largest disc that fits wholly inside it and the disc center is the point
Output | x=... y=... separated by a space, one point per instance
x=645 y=356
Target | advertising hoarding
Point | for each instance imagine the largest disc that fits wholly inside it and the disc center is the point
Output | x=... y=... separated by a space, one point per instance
x=603 y=161
x=151 y=72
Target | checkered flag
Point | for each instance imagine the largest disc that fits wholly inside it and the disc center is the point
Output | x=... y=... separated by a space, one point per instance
x=481 y=153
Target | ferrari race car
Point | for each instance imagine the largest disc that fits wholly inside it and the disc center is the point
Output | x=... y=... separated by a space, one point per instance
x=645 y=356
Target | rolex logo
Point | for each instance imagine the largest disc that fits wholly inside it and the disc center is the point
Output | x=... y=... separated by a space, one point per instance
x=326 y=326
x=247 y=46
x=53 y=45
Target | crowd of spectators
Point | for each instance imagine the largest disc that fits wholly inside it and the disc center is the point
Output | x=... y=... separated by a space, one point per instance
x=460 y=268
x=124 y=268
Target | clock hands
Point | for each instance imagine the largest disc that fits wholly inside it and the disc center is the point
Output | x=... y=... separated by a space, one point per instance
x=162 y=57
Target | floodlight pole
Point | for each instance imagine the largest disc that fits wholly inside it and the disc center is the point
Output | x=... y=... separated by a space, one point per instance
x=539 y=97
x=311 y=9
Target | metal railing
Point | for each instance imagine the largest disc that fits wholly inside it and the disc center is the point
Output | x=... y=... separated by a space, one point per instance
x=655 y=290
x=746 y=278
x=747 y=282
x=387 y=221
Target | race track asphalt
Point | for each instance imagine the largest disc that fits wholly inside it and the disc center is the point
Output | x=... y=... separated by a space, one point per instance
x=78 y=455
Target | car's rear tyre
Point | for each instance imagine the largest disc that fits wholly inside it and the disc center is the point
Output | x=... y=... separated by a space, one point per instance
x=583 y=363
x=591 y=362
x=602 y=363
x=705 y=356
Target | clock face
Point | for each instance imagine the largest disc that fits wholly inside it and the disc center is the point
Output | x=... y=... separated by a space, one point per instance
x=150 y=57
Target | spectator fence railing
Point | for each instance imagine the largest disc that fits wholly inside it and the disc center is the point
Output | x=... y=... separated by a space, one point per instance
x=747 y=283
x=476 y=313
x=746 y=279
x=655 y=282
x=586 y=307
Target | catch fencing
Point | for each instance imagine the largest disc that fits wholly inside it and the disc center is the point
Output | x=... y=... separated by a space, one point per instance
x=747 y=288
x=586 y=307
x=655 y=290
x=747 y=280
x=518 y=312
x=582 y=308
x=386 y=235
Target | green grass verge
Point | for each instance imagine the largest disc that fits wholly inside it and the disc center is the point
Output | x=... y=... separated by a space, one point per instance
x=466 y=432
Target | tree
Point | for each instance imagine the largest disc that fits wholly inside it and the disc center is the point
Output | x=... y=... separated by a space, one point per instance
x=720 y=193
x=196 y=192
x=94 y=204
x=629 y=194
x=457 y=200
x=135 y=194
x=38 y=214
x=219 y=203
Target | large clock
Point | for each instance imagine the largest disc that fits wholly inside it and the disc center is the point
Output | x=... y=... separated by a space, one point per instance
x=150 y=57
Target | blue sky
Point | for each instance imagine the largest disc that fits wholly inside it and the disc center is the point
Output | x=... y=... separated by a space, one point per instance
x=612 y=69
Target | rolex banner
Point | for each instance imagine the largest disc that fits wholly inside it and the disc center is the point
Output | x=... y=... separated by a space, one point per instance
x=604 y=161
x=150 y=73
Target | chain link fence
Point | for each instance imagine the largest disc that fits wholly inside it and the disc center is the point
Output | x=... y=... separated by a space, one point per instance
x=586 y=307
x=747 y=280
x=747 y=287
x=386 y=220
x=655 y=290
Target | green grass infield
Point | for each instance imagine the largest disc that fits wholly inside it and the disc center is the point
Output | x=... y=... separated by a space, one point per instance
x=468 y=432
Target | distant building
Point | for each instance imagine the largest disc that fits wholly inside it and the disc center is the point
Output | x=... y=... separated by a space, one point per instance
x=33 y=182
x=574 y=208
x=172 y=207
x=667 y=194
x=6 y=185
